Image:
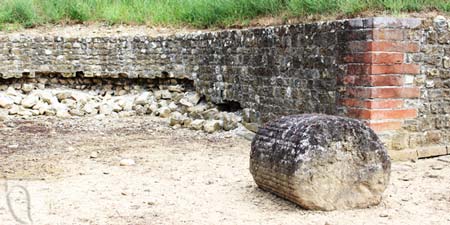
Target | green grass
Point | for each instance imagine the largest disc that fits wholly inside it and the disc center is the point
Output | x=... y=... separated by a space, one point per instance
x=195 y=13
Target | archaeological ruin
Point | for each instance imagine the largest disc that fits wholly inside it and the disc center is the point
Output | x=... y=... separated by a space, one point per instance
x=391 y=73
x=321 y=162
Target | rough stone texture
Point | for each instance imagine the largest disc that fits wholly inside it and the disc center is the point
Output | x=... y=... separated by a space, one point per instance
x=320 y=162
x=430 y=130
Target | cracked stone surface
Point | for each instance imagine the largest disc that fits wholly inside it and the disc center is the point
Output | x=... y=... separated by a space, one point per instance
x=320 y=162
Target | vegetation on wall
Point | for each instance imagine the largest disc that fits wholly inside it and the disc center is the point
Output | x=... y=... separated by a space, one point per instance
x=195 y=13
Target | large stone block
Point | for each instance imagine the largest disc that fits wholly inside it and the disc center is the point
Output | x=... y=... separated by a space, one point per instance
x=320 y=162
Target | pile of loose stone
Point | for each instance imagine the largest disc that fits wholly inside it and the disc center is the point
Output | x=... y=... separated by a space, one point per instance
x=183 y=109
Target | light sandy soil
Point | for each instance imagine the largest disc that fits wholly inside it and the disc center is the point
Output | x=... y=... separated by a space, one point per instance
x=180 y=177
x=95 y=30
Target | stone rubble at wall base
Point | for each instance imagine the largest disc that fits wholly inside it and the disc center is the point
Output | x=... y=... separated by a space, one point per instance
x=183 y=109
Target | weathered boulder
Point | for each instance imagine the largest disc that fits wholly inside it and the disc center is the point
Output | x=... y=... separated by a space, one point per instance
x=320 y=162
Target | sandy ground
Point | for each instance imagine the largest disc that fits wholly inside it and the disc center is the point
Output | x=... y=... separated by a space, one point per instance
x=180 y=177
x=95 y=30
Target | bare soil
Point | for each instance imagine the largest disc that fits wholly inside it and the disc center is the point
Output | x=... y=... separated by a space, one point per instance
x=180 y=177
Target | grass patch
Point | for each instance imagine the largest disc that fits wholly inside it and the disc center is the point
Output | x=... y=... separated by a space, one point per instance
x=195 y=13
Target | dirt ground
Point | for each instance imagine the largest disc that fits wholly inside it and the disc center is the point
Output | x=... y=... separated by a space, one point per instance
x=180 y=177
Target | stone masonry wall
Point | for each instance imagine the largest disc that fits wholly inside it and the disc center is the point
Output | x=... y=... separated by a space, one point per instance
x=390 y=73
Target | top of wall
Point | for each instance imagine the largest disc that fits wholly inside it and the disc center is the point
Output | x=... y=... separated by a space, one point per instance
x=99 y=31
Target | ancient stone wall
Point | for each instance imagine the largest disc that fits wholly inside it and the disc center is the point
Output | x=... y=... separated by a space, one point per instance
x=273 y=71
x=428 y=134
x=390 y=73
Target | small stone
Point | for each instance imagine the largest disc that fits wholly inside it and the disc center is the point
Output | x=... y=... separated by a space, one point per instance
x=30 y=101
x=27 y=88
x=440 y=23
x=190 y=99
x=90 y=108
x=42 y=107
x=197 y=124
x=14 y=146
x=70 y=103
x=251 y=126
x=5 y=101
x=142 y=99
x=175 y=88
x=230 y=121
x=157 y=94
x=446 y=62
x=212 y=126
x=173 y=106
x=196 y=111
x=433 y=72
x=61 y=110
x=165 y=94
x=93 y=155
x=14 y=110
x=106 y=109
x=124 y=114
x=140 y=110
x=76 y=112
x=24 y=112
x=153 y=107
x=47 y=97
x=163 y=112
x=14 y=95
x=63 y=114
x=210 y=114
x=65 y=95
x=176 y=118
x=245 y=133
x=125 y=102
x=187 y=122
x=127 y=162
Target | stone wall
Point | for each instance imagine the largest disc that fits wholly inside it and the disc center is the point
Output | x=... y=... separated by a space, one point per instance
x=272 y=71
x=391 y=73
x=429 y=133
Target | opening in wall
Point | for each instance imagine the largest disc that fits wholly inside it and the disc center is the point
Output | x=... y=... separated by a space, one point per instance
x=229 y=106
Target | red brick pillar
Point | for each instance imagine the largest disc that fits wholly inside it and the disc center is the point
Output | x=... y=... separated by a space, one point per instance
x=377 y=80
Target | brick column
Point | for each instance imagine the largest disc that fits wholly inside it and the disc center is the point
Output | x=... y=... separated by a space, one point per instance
x=377 y=80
